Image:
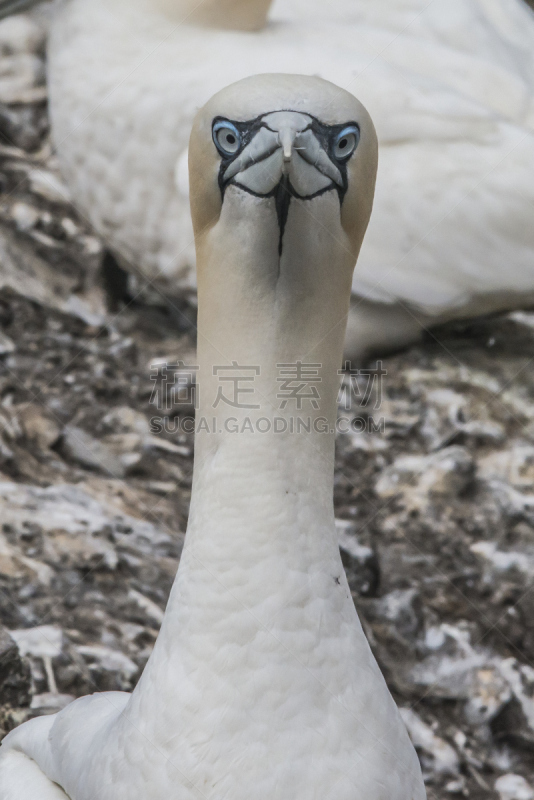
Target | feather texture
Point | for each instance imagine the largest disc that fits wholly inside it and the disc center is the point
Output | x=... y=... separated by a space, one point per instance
x=450 y=85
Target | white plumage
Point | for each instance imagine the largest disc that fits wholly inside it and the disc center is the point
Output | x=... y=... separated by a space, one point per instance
x=261 y=683
x=450 y=84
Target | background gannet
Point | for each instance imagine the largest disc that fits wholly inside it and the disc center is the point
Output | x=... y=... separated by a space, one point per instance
x=261 y=682
x=450 y=84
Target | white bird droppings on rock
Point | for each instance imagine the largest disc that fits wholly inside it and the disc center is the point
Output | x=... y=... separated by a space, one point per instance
x=418 y=478
x=513 y=787
x=44 y=640
x=444 y=757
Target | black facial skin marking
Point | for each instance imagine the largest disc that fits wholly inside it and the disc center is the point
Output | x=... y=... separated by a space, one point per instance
x=284 y=192
x=282 y=199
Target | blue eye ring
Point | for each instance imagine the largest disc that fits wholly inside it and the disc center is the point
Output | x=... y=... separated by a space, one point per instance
x=346 y=142
x=226 y=138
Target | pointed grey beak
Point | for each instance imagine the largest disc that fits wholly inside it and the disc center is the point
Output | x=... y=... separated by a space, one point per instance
x=284 y=146
x=286 y=138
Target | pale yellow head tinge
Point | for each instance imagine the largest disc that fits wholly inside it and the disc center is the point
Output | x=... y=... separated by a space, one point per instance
x=282 y=172
x=287 y=125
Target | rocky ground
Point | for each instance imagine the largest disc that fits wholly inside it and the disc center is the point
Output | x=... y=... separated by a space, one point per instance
x=434 y=485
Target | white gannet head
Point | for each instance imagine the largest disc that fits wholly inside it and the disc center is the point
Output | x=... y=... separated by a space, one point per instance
x=282 y=172
x=286 y=139
x=285 y=155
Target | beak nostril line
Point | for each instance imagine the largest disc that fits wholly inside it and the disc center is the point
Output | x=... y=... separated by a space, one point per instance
x=287 y=138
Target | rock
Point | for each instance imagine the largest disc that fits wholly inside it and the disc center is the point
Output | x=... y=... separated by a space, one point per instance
x=23 y=126
x=13 y=564
x=489 y=693
x=360 y=561
x=76 y=528
x=15 y=676
x=361 y=440
x=69 y=226
x=90 y=309
x=50 y=702
x=19 y=33
x=117 y=454
x=167 y=447
x=455 y=670
x=520 y=678
x=31 y=276
x=9 y=425
x=44 y=641
x=7 y=345
x=513 y=787
x=456 y=786
x=513 y=504
x=21 y=79
x=394 y=623
x=483 y=432
x=401 y=418
x=39 y=427
x=449 y=416
x=49 y=185
x=420 y=479
x=523 y=318
x=163 y=488
x=496 y=691
x=514 y=466
x=127 y=447
x=79 y=446
x=453 y=375
x=443 y=412
x=24 y=216
x=87 y=552
x=499 y=562
x=519 y=402
x=103 y=659
x=438 y=756
x=147 y=605
x=401 y=607
x=123 y=419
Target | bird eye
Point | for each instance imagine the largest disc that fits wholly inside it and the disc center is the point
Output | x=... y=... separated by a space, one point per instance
x=346 y=142
x=226 y=137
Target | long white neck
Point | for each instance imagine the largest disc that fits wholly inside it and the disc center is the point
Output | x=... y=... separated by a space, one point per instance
x=260 y=545
x=263 y=312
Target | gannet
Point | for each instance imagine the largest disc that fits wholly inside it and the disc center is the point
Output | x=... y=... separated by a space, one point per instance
x=261 y=683
x=450 y=84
